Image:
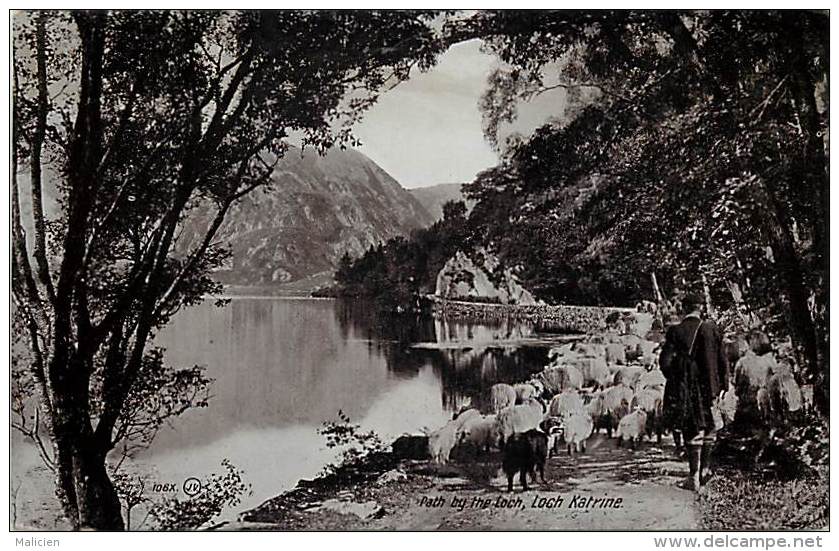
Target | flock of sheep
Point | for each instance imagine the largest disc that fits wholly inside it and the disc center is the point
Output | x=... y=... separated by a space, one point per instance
x=610 y=383
x=767 y=389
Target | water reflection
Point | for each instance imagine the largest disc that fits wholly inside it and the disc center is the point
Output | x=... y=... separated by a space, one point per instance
x=282 y=367
x=467 y=357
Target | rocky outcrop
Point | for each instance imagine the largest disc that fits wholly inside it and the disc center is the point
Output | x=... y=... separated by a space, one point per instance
x=464 y=278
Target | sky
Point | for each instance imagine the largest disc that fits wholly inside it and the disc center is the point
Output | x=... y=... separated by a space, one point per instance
x=427 y=130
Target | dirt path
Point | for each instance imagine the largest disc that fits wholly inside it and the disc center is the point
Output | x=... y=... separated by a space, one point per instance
x=638 y=488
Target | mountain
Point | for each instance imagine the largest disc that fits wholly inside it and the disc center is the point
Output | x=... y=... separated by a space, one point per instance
x=434 y=197
x=316 y=209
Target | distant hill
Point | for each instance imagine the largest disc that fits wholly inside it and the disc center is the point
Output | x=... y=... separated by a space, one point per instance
x=434 y=197
x=318 y=208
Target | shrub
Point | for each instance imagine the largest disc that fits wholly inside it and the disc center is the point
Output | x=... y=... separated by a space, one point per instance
x=357 y=444
x=217 y=492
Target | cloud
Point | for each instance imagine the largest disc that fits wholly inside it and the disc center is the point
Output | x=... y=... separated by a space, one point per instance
x=427 y=130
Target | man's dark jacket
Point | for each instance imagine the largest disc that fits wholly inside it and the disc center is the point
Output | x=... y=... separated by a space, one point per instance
x=688 y=396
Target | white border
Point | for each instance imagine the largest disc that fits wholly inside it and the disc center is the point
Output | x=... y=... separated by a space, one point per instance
x=404 y=541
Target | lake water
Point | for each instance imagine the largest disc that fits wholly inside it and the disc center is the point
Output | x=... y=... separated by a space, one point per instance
x=284 y=366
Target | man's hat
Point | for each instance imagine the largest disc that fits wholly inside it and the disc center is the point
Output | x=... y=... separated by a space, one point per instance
x=691 y=301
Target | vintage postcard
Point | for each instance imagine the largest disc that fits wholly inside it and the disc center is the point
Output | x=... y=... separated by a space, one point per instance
x=419 y=270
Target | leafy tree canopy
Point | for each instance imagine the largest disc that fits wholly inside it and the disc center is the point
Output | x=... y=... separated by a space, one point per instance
x=139 y=120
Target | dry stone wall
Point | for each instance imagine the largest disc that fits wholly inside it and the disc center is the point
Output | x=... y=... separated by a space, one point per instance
x=577 y=319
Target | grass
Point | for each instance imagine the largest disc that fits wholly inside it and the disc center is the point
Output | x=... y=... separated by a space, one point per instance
x=747 y=500
x=771 y=481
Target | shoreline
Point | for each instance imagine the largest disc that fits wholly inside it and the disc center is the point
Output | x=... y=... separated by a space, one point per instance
x=563 y=318
x=385 y=488
x=608 y=487
x=264 y=297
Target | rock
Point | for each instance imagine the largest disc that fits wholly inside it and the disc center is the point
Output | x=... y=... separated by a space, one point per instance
x=411 y=446
x=462 y=277
x=309 y=505
x=364 y=510
x=394 y=475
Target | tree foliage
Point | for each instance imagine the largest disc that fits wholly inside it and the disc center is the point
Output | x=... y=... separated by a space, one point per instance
x=690 y=145
x=354 y=444
x=701 y=157
x=133 y=122
x=394 y=273
x=218 y=491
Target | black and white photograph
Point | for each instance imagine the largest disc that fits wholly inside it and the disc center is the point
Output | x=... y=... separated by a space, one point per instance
x=419 y=270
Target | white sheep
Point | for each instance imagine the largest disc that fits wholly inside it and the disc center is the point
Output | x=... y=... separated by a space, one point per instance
x=578 y=427
x=628 y=376
x=465 y=416
x=617 y=397
x=479 y=432
x=616 y=353
x=590 y=349
x=566 y=377
x=650 y=401
x=647 y=349
x=518 y=418
x=616 y=401
x=565 y=403
x=564 y=351
x=594 y=371
x=653 y=378
x=595 y=406
x=441 y=442
x=632 y=427
x=630 y=342
x=502 y=395
x=524 y=392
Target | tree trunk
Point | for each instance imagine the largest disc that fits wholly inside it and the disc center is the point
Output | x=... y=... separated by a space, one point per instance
x=38 y=140
x=706 y=289
x=816 y=181
x=803 y=329
x=65 y=489
x=88 y=497
x=99 y=506
x=87 y=494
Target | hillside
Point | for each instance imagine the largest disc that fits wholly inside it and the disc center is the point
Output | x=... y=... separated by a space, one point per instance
x=434 y=197
x=316 y=209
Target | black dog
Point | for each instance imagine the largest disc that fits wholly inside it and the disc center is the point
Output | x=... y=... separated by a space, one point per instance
x=524 y=452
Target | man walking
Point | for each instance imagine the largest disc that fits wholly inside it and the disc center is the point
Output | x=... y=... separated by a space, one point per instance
x=695 y=366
